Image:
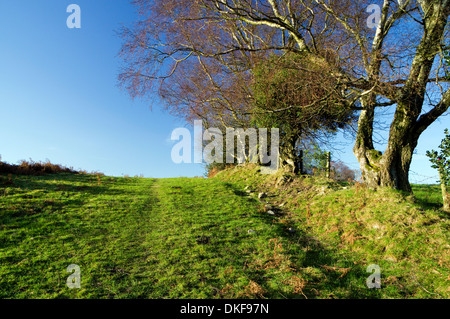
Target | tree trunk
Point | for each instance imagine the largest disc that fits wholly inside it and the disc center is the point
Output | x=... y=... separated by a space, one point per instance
x=390 y=169
x=289 y=158
x=387 y=170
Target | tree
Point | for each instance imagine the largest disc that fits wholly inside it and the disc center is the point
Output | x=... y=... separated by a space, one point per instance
x=398 y=67
x=441 y=162
x=315 y=159
x=300 y=98
x=342 y=172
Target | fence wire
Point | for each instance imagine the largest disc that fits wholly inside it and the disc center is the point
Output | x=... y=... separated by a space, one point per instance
x=415 y=178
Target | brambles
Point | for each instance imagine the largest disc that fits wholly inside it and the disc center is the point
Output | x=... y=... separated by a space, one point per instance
x=34 y=168
x=40 y=168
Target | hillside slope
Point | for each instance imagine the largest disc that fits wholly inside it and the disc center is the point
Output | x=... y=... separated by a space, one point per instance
x=209 y=238
x=407 y=236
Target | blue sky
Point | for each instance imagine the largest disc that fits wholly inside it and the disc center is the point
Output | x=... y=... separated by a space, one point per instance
x=59 y=98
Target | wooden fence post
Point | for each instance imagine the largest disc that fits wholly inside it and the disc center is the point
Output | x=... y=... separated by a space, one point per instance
x=328 y=164
x=445 y=194
x=301 y=162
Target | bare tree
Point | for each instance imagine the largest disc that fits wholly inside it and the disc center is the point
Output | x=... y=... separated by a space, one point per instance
x=398 y=66
x=342 y=172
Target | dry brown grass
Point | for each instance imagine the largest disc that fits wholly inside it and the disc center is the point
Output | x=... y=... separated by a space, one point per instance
x=34 y=168
x=216 y=169
x=275 y=259
x=99 y=180
x=297 y=284
x=342 y=271
x=254 y=290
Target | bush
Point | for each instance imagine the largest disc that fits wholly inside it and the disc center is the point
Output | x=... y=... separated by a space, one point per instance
x=341 y=172
x=441 y=162
x=34 y=168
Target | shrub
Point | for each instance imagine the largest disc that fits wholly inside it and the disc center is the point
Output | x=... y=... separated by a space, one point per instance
x=441 y=162
x=34 y=168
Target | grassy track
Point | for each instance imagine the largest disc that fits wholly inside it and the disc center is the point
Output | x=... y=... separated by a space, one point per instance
x=139 y=238
x=167 y=238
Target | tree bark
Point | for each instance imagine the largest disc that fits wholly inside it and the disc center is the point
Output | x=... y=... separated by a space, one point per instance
x=289 y=158
x=390 y=169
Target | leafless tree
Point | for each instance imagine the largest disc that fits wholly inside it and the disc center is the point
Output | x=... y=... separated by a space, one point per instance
x=398 y=66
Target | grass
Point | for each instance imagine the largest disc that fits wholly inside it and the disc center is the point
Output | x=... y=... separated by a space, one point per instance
x=407 y=236
x=428 y=196
x=207 y=238
x=138 y=238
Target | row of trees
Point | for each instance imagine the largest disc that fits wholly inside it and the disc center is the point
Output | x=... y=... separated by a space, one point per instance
x=313 y=161
x=309 y=67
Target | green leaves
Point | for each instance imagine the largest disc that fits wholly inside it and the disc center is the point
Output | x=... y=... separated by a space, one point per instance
x=441 y=160
x=294 y=91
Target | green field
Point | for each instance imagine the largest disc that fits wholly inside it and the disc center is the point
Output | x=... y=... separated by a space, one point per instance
x=209 y=238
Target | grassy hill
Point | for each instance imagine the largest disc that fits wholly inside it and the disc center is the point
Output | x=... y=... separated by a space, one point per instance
x=213 y=238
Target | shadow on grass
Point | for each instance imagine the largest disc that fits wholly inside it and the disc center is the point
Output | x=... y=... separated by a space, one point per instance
x=25 y=205
x=337 y=276
x=428 y=196
x=87 y=184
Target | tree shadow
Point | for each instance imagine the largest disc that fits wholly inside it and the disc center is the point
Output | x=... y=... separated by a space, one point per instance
x=429 y=197
x=336 y=275
x=88 y=184
x=35 y=196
